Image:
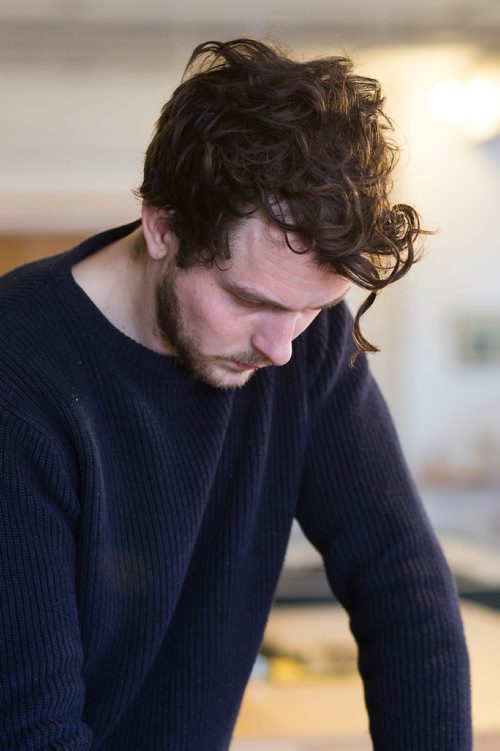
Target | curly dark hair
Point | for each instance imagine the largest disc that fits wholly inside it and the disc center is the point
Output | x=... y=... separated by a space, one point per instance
x=305 y=142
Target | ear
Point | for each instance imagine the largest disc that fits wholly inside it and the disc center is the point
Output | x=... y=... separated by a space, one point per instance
x=159 y=236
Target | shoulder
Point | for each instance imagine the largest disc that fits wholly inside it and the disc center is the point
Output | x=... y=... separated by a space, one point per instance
x=19 y=287
x=327 y=346
x=26 y=299
x=33 y=315
x=331 y=333
x=31 y=324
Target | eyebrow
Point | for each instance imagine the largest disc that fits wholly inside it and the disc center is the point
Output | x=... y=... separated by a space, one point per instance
x=257 y=298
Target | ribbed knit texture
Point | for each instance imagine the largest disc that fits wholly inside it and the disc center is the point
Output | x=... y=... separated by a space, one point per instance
x=145 y=518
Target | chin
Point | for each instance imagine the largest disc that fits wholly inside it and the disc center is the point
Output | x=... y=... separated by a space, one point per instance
x=218 y=375
x=224 y=379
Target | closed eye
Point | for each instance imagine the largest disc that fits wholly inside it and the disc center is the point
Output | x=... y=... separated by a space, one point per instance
x=250 y=302
x=247 y=300
x=247 y=303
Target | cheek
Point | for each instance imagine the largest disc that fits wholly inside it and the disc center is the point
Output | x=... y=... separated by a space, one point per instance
x=196 y=304
x=208 y=318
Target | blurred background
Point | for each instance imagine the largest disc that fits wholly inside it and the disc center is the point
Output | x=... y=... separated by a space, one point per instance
x=82 y=82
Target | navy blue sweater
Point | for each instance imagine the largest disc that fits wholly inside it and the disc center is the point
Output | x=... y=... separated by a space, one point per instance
x=145 y=517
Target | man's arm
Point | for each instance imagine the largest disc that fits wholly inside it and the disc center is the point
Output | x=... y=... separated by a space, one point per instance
x=360 y=509
x=41 y=688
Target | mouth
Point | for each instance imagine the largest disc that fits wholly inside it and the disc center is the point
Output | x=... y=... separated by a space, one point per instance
x=243 y=366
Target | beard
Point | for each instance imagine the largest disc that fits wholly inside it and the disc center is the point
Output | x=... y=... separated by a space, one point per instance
x=172 y=330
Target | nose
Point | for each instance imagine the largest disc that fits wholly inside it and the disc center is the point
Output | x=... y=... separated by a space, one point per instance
x=274 y=337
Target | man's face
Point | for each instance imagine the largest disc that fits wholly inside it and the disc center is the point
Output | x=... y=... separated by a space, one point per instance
x=225 y=323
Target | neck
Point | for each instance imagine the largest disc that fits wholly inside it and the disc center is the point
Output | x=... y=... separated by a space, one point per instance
x=121 y=281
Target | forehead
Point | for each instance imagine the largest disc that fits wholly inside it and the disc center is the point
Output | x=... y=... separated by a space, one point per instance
x=262 y=260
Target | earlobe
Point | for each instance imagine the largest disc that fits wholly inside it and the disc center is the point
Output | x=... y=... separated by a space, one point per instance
x=158 y=233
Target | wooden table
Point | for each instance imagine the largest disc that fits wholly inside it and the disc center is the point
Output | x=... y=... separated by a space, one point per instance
x=354 y=743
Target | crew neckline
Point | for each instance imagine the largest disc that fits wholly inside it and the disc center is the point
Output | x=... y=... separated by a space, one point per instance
x=95 y=325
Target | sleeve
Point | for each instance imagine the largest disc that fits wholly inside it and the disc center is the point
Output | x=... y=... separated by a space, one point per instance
x=41 y=688
x=359 y=507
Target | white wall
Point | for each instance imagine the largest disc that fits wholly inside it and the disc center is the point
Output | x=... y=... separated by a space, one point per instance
x=445 y=409
x=72 y=144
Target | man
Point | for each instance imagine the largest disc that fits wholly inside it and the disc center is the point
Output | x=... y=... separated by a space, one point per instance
x=158 y=437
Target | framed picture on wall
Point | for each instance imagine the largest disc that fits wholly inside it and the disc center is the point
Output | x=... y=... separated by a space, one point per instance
x=476 y=339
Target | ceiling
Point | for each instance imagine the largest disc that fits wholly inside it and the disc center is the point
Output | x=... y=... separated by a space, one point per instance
x=148 y=32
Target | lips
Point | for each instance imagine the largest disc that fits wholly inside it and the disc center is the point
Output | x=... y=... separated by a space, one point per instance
x=243 y=365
